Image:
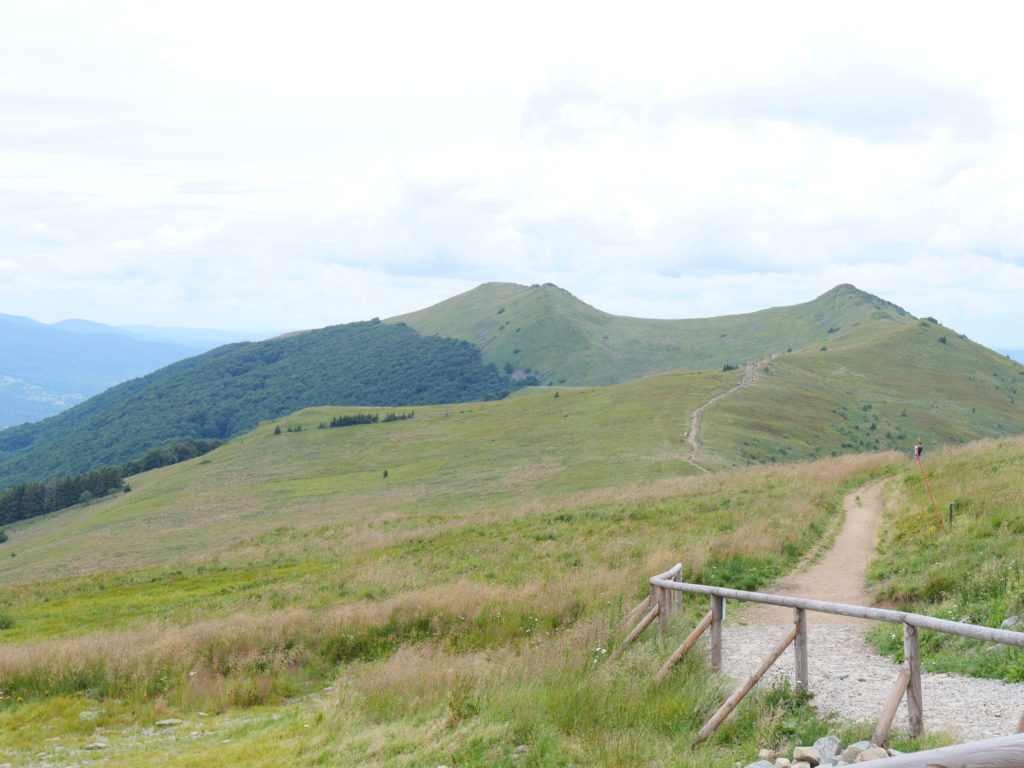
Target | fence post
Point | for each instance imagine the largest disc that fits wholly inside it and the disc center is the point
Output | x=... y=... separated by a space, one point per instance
x=717 y=615
x=800 y=649
x=912 y=654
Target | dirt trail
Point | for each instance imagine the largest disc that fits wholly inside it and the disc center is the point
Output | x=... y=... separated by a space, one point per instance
x=846 y=676
x=693 y=436
x=840 y=575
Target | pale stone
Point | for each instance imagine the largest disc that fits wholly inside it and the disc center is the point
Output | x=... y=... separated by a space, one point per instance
x=851 y=752
x=766 y=754
x=872 y=753
x=170 y=722
x=801 y=764
x=827 y=746
x=760 y=764
x=782 y=762
x=97 y=745
x=807 y=755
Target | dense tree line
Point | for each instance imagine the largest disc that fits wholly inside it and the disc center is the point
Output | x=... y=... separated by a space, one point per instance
x=228 y=391
x=353 y=419
x=29 y=499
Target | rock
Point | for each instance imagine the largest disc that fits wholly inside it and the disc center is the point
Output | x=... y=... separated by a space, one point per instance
x=782 y=762
x=802 y=764
x=851 y=752
x=97 y=745
x=1010 y=622
x=807 y=755
x=170 y=722
x=761 y=764
x=766 y=754
x=872 y=753
x=827 y=746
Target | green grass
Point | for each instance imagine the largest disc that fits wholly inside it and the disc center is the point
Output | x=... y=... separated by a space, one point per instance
x=547 y=330
x=458 y=607
x=968 y=571
x=881 y=394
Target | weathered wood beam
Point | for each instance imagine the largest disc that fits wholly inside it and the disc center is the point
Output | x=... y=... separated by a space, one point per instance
x=733 y=701
x=1001 y=752
x=688 y=643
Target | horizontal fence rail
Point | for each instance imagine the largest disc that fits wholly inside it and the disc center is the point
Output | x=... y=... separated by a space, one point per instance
x=990 y=634
x=666 y=595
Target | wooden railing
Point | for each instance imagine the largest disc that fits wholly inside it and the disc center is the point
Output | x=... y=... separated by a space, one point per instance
x=666 y=596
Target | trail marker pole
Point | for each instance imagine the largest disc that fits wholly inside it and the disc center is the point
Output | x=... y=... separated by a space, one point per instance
x=938 y=517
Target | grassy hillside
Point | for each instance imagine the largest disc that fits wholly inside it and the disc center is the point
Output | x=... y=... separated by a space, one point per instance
x=545 y=329
x=970 y=570
x=919 y=380
x=227 y=391
x=460 y=608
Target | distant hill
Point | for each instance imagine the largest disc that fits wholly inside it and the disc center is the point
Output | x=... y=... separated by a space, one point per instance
x=199 y=339
x=47 y=368
x=227 y=391
x=546 y=329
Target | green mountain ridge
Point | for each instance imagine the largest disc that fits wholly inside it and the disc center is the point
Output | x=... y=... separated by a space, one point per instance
x=546 y=329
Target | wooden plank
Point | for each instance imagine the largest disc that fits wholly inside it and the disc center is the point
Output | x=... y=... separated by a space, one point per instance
x=912 y=654
x=1001 y=752
x=884 y=724
x=731 y=703
x=717 y=616
x=988 y=634
x=800 y=649
x=676 y=657
x=637 y=631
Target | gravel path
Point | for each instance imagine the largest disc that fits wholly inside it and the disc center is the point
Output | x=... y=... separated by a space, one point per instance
x=846 y=675
x=849 y=678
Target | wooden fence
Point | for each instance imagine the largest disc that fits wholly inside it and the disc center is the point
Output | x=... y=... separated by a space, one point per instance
x=666 y=592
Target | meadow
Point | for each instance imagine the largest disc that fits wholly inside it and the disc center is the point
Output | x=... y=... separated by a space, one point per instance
x=970 y=569
x=291 y=603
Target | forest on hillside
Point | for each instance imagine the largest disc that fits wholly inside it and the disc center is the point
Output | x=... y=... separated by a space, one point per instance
x=228 y=391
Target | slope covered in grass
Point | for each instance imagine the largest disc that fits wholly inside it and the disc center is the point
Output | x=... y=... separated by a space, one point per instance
x=546 y=329
x=918 y=380
x=468 y=624
x=970 y=570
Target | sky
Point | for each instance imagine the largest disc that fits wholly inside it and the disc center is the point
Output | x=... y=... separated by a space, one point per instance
x=285 y=165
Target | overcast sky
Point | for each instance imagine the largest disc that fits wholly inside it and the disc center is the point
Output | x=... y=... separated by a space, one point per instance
x=283 y=165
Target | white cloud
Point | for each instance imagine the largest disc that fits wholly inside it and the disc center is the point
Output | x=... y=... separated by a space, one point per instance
x=225 y=163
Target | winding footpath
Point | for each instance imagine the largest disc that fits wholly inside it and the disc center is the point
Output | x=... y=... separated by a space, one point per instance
x=750 y=371
x=846 y=676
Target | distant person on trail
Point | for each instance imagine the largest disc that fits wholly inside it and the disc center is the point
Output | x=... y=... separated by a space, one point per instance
x=918 y=449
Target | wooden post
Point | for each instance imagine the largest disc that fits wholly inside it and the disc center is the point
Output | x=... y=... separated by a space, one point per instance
x=717 y=615
x=730 y=704
x=912 y=654
x=891 y=705
x=664 y=608
x=677 y=595
x=682 y=649
x=637 y=631
x=640 y=608
x=800 y=649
